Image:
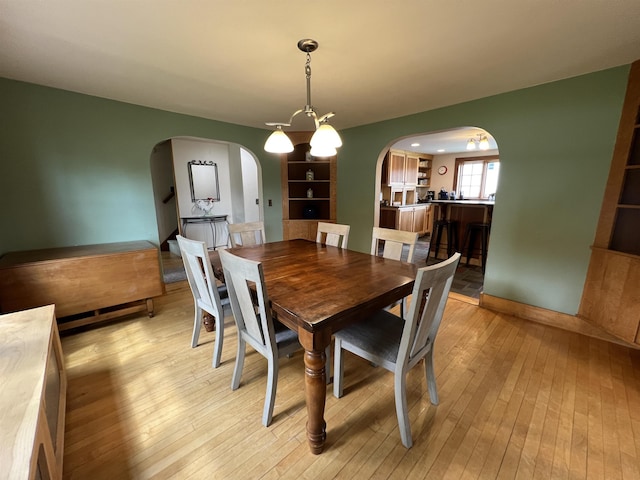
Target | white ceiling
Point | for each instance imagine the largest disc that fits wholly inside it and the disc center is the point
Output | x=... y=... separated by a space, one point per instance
x=237 y=60
x=441 y=143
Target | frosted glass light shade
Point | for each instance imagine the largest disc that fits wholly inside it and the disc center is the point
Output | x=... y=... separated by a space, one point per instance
x=326 y=135
x=323 y=151
x=484 y=143
x=471 y=144
x=278 y=142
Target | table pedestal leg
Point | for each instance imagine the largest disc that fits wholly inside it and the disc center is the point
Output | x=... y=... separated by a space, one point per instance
x=315 y=388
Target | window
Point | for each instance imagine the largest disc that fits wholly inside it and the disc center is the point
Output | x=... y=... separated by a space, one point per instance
x=476 y=177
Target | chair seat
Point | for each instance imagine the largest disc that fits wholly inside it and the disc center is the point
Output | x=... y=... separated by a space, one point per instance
x=285 y=337
x=381 y=333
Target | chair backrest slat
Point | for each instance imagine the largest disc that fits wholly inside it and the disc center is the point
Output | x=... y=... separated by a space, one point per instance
x=250 y=233
x=200 y=274
x=333 y=233
x=394 y=241
x=248 y=304
x=428 y=301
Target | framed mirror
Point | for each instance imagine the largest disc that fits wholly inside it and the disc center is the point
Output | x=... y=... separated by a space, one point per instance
x=203 y=179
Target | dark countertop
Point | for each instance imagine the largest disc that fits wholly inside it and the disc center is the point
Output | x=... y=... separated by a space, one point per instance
x=389 y=207
x=465 y=202
x=444 y=202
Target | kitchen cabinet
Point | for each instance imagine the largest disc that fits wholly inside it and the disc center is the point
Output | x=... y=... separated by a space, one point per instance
x=400 y=177
x=308 y=189
x=403 y=195
x=400 y=168
x=411 y=218
x=33 y=395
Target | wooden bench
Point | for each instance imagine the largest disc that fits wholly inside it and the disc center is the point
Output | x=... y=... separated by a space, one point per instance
x=87 y=284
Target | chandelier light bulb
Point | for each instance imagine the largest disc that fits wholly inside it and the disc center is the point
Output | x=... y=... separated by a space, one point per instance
x=278 y=142
x=484 y=143
x=471 y=144
x=323 y=151
x=326 y=135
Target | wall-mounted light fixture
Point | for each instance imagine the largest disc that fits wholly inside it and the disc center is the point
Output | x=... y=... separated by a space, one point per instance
x=325 y=140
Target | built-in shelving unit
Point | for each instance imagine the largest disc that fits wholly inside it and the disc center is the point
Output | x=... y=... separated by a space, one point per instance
x=610 y=299
x=309 y=189
x=424 y=174
x=626 y=230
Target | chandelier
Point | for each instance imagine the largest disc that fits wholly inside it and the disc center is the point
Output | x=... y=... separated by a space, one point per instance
x=482 y=142
x=325 y=139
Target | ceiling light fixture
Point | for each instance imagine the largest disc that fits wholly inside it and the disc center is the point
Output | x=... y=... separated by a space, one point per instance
x=325 y=140
x=482 y=142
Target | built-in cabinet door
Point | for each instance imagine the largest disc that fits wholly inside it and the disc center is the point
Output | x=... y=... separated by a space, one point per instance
x=305 y=229
x=428 y=219
x=396 y=168
x=405 y=219
x=412 y=219
x=401 y=169
x=411 y=169
x=419 y=215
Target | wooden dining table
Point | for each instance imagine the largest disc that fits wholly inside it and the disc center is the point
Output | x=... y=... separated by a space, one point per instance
x=316 y=290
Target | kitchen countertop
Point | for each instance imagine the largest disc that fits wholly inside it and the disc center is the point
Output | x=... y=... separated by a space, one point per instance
x=445 y=202
x=405 y=206
x=464 y=202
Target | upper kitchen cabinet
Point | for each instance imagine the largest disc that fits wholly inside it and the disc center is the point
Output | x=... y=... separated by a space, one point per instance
x=400 y=168
x=308 y=189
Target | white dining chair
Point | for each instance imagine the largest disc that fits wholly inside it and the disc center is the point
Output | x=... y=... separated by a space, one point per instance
x=207 y=295
x=255 y=325
x=334 y=234
x=246 y=234
x=398 y=344
x=394 y=243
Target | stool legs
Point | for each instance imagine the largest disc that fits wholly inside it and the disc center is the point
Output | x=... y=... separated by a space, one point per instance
x=452 y=237
x=470 y=239
x=438 y=232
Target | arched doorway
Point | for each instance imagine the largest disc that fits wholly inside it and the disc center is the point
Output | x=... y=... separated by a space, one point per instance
x=435 y=162
x=236 y=174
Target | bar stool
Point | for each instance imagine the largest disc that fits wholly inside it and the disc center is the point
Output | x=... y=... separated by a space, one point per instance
x=451 y=227
x=473 y=229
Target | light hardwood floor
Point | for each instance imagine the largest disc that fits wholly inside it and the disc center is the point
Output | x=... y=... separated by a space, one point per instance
x=517 y=400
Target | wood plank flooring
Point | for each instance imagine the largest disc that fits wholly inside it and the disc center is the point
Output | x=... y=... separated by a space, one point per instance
x=517 y=400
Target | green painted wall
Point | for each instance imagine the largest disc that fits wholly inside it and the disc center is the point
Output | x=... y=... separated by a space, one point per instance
x=74 y=170
x=556 y=142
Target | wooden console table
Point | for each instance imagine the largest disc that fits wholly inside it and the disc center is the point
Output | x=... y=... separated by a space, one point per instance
x=213 y=221
x=87 y=284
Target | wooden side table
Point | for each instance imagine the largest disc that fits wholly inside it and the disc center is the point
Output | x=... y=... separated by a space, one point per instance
x=87 y=284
